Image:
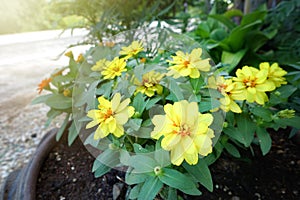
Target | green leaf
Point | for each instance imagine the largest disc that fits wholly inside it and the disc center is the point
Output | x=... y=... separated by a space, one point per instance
x=232 y=150
x=256 y=39
x=293 y=122
x=232 y=59
x=134 y=192
x=264 y=139
x=101 y=170
x=236 y=39
x=175 y=179
x=258 y=15
x=197 y=83
x=262 y=112
x=208 y=104
x=135 y=124
x=201 y=173
x=134 y=178
x=62 y=128
x=40 y=99
x=175 y=89
x=218 y=34
x=203 y=30
x=282 y=94
x=233 y=13
x=151 y=102
x=51 y=114
x=142 y=164
x=83 y=97
x=73 y=133
x=109 y=157
x=139 y=149
x=124 y=157
x=161 y=156
x=224 y=20
x=234 y=133
x=150 y=188
x=59 y=101
x=246 y=128
x=91 y=141
x=139 y=103
x=105 y=89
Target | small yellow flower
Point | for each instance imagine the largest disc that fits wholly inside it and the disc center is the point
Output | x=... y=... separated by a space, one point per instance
x=150 y=84
x=224 y=86
x=184 y=64
x=80 y=58
x=133 y=49
x=69 y=54
x=45 y=84
x=100 y=65
x=67 y=93
x=251 y=85
x=275 y=73
x=115 y=68
x=111 y=116
x=185 y=132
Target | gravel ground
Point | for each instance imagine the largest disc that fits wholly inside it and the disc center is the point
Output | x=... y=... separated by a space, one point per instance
x=20 y=136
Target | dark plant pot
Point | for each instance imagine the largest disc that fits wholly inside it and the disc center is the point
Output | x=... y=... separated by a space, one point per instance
x=21 y=184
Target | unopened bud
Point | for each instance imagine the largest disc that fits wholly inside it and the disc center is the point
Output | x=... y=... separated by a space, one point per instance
x=286 y=113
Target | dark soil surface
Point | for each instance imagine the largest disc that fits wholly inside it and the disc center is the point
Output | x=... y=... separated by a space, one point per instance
x=67 y=174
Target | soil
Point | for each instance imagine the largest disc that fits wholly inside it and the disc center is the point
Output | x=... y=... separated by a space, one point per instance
x=67 y=174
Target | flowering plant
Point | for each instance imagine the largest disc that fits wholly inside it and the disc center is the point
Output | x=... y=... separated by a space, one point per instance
x=154 y=105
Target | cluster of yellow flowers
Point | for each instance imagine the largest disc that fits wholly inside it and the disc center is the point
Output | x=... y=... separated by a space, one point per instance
x=185 y=130
x=250 y=84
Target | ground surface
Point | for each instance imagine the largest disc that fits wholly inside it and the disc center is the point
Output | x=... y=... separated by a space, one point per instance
x=26 y=59
x=67 y=175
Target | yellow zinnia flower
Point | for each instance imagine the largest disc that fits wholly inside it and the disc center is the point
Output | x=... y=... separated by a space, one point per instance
x=100 y=65
x=111 y=116
x=69 y=54
x=115 y=68
x=150 y=84
x=133 y=49
x=224 y=86
x=251 y=85
x=185 y=130
x=184 y=64
x=80 y=58
x=275 y=73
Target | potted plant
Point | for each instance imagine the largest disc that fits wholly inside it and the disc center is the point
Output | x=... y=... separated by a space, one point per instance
x=153 y=105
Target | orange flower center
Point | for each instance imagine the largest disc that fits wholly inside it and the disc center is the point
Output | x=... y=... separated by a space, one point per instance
x=184 y=130
x=222 y=87
x=108 y=114
x=186 y=63
x=250 y=83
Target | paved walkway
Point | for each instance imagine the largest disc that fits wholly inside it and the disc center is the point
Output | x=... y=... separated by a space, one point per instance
x=25 y=59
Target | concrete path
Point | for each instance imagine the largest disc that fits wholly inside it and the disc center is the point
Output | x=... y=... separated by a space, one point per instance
x=27 y=58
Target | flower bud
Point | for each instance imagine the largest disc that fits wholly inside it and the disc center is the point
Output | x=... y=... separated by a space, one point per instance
x=286 y=113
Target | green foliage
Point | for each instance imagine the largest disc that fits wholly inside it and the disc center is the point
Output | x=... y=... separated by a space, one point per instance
x=256 y=38
x=60 y=84
x=106 y=18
